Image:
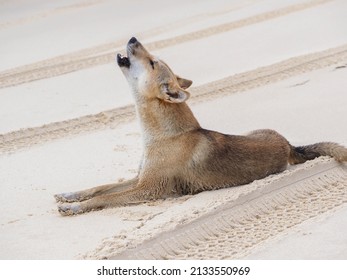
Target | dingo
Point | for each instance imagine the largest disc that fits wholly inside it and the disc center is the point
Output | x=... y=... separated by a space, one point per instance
x=180 y=157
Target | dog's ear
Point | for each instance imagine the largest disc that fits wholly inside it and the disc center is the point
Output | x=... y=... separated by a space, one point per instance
x=173 y=94
x=184 y=83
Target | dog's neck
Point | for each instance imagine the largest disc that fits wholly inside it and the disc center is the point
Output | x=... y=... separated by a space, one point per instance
x=160 y=119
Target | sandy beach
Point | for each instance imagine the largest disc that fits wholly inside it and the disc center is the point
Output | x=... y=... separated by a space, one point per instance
x=67 y=122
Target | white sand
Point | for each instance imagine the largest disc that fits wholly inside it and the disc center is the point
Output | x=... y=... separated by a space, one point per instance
x=306 y=108
x=322 y=237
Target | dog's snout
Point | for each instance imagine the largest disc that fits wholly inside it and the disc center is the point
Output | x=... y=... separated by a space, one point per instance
x=133 y=40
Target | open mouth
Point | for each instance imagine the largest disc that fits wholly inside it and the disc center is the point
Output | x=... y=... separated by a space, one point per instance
x=123 y=61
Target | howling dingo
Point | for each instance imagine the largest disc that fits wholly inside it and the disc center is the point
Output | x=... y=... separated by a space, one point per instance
x=180 y=157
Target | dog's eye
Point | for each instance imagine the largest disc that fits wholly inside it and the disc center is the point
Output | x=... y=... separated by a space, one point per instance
x=152 y=63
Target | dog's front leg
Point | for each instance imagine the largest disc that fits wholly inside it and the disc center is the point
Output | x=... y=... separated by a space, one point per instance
x=140 y=194
x=96 y=191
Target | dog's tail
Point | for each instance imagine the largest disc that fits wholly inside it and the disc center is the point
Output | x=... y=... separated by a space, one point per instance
x=304 y=153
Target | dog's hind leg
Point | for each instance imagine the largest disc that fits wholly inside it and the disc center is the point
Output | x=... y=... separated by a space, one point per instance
x=96 y=191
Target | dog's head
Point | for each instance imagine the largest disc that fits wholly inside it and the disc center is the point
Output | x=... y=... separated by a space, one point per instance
x=150 y=77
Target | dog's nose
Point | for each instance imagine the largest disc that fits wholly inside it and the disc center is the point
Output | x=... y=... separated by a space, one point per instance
x=133 y=40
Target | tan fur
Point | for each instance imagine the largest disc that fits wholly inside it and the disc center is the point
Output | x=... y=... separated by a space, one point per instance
x=179 y=156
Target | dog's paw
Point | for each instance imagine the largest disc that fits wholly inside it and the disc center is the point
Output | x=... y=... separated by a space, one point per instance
x=66 y=197
x=69 y=209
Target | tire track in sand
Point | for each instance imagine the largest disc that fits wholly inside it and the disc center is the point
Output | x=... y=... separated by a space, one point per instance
x=107 y=47
x=234 y=229
x=24 y=138
x=49 y=13
x=92 y=57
